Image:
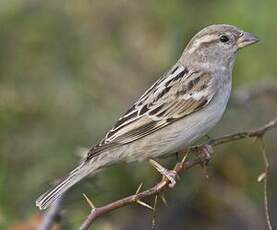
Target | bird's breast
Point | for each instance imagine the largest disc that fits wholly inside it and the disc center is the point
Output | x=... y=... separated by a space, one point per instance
x=180 y=134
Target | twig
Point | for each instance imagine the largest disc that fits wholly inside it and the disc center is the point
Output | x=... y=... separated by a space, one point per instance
x=52 y=215
x=154 y=212
x=180 y=167
x=259 y=132
x=264 y=178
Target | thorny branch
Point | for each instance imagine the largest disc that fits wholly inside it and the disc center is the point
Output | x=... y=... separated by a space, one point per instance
x=179 y=168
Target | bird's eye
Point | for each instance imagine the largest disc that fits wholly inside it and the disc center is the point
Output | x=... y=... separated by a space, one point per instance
x=224 y=38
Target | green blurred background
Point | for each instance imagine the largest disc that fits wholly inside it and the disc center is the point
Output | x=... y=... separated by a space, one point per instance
x=69 y=68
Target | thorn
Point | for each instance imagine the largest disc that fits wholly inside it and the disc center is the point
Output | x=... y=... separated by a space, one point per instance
x=139 y=188
x=155 y=202
x=184 y=158
x=255 y=139
x=163 y=199
x=171 y=175
x=261 y=177
x=144 y=204
x=89 y=202
x=157 y=166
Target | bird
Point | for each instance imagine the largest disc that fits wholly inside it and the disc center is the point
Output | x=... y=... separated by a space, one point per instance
x=180 y=107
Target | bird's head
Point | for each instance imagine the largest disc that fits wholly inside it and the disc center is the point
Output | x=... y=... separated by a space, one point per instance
x=217 y=45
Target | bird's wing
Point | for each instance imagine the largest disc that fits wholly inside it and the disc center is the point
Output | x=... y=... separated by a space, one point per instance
x=175 y=95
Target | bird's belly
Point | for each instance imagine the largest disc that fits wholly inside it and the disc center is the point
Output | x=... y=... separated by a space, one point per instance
x=177 y=136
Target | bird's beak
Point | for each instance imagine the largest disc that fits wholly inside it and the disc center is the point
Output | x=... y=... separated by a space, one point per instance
x=246 y=39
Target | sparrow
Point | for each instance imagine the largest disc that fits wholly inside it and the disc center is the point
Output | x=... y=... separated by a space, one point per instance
x=181 y=106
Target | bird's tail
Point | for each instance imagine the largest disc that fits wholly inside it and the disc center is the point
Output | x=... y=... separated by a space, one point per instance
x=46 y=199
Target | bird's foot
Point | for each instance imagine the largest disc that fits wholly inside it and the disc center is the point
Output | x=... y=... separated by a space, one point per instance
x=171 y=175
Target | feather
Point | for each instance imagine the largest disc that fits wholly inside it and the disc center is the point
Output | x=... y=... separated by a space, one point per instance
x=46 y=199
x=177 y=94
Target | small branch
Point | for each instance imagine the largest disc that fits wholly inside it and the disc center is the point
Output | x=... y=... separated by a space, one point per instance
x=179 y=168
x=256 y=133
x=51 y=216
x=154 y=212
x=265 y=180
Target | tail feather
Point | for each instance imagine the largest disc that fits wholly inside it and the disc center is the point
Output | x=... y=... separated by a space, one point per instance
x=46 y=199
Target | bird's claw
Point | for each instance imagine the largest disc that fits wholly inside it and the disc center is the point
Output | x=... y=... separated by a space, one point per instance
x=171 y=175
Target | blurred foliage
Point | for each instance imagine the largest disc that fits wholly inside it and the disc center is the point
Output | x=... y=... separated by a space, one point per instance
x=69 y=68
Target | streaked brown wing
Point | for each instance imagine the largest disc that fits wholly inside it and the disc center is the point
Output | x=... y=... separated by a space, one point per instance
x=172 y=97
